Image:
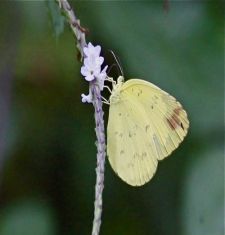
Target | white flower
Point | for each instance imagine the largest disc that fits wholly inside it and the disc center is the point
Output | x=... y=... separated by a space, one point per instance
x=91 y=68
x=92 y=62
x=90 y=72
x=86 y=98
x=91 y=50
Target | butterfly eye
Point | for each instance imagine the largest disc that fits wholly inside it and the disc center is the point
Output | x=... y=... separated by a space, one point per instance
x=120 y=79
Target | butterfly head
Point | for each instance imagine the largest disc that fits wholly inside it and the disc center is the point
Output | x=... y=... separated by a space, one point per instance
x=115 y=96
x=120 y=80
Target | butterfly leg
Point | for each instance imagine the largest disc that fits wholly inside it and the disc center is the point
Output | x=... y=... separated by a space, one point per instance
x=108 y=89
x=110 y=80
x=105 y=101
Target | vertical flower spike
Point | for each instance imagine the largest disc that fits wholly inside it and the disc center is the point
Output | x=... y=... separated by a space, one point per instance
x=91 y=70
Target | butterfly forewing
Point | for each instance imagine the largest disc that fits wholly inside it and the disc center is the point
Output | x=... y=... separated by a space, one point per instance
x=145 y=126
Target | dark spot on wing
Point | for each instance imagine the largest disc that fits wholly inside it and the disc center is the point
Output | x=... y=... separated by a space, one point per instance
x=140 y=92
x=174 y=120
x=144 y=154
x=181 y=124
x=120 y=114
x=171 y=123
x=147 y=128
x=177 y=110
x=130 y=165
x=135 y=155
x=121 y=152
x=121 y=135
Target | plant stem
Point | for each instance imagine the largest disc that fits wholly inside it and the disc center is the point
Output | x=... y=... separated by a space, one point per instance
x=99 y=121
x=100 y=133
x=78 y=31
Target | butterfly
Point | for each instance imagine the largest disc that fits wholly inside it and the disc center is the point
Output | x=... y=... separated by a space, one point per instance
x=145 y=125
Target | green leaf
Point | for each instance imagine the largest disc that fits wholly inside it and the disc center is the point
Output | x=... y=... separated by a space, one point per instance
x=57 y=18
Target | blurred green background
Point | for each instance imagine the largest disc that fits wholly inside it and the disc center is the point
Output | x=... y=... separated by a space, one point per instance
x=47 y=138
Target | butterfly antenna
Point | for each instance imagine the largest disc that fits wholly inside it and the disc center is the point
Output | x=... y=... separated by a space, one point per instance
x=118 y=62
x=111 y=67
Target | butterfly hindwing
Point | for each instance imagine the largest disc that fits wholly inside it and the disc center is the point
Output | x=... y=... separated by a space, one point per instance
x=129 y=154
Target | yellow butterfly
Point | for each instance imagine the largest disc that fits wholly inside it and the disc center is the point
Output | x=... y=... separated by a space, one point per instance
x=145 y=125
